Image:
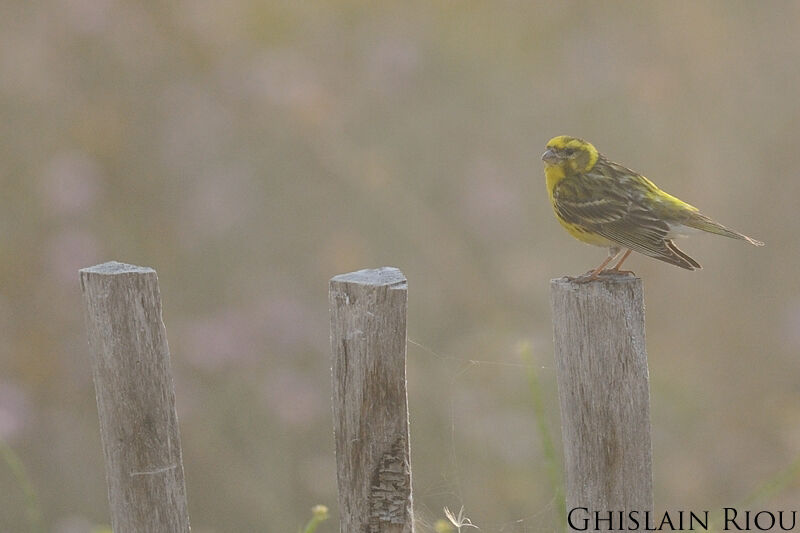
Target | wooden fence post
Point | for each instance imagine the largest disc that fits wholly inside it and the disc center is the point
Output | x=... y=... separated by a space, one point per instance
x=370 y=409
x=135 y=399
x=604 y=392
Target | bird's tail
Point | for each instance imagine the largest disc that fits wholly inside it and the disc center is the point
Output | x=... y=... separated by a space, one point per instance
x=704 y=223
x=675 y=256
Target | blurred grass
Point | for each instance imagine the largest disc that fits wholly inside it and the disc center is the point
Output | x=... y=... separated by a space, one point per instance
x=764 y=493
x=774 y=485
x=549 y=454
x=33 y=511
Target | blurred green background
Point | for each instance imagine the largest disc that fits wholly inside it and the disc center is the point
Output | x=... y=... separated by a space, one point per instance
x=251 y=150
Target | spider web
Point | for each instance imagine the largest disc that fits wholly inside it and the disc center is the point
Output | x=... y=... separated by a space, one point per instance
x=454 y=483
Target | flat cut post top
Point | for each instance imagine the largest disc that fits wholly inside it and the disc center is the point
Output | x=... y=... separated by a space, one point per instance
x=373 y=276
x=606 y=279
x=114 y=267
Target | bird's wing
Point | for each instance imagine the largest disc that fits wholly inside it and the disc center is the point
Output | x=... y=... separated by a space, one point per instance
x=590 y=204
x=625 y=220
x=642 y=232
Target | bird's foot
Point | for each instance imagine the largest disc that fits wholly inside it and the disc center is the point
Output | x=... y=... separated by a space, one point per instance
x=614 y=272
x=592 y=275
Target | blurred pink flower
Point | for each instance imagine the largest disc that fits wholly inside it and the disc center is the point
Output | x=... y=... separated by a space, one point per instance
x=217 y=341
x=219 y=201
x=294 y=397
x=70 y=183
x=792 y=324
x=277 y=324
x=286 y=79
x=86 y=16
x=15 y=410
x=285 y=321
x=391 y=63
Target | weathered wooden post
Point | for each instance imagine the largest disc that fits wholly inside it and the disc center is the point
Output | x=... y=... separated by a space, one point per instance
x=604 y=392
x=135 y=399
x=370 y=409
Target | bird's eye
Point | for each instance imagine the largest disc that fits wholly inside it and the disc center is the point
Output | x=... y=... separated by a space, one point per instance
x=569 y=151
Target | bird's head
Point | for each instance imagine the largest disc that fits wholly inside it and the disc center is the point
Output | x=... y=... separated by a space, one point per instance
x=570 y=154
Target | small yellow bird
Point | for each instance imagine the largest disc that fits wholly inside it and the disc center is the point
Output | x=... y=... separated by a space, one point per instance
x=605 y=204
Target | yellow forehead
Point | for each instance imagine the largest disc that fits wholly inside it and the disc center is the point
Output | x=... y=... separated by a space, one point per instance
x=578 y=154
x=565 y=141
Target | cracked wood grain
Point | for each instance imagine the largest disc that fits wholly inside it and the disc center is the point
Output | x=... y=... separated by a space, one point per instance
x=370 y=409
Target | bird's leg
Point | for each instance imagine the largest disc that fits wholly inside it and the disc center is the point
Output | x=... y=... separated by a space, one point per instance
x=593 y=274
x=616 y=269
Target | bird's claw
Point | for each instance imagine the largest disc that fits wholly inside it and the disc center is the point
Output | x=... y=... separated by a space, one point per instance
x=615 y=272
x=591 y=275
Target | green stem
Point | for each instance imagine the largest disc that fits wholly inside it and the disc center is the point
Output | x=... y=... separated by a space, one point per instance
x=318 y=515
x=33 y=509
x=548 y=447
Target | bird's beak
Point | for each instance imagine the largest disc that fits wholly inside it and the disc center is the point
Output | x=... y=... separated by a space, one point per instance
x=549 y=156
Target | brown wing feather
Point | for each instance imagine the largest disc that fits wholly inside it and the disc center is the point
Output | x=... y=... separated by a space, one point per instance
x=625 y=220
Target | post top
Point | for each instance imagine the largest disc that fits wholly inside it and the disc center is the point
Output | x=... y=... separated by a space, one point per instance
x=115 y=267
x=605 y=279
x=372 y=276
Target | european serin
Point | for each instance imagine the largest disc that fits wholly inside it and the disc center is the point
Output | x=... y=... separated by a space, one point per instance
x=602 y=203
